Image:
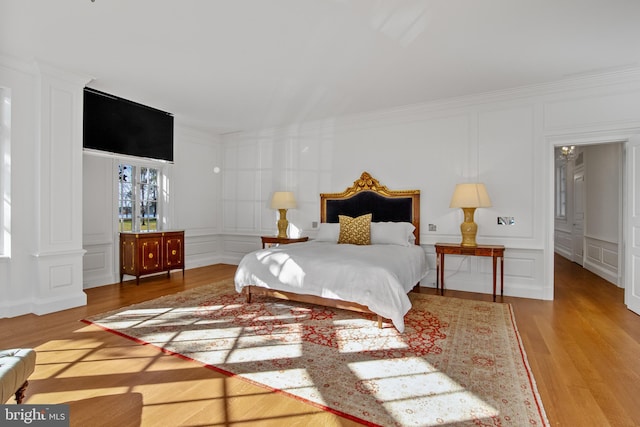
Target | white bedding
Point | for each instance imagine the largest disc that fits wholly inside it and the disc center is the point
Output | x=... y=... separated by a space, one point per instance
x=377 y=276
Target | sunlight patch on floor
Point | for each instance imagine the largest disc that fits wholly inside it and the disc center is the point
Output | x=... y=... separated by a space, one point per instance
x=414 y=388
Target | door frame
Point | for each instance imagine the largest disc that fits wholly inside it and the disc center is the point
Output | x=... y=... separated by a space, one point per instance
x=578 y=171
x=584 y=139
x=631 y=275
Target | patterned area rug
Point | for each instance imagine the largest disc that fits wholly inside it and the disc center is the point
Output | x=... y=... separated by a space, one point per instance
x=459 y=362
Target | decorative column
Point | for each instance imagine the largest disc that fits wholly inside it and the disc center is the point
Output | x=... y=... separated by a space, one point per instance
x=58 y=169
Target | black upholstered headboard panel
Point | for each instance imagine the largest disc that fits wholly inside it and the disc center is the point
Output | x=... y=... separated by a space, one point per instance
x=383 y=208
x=368 y=196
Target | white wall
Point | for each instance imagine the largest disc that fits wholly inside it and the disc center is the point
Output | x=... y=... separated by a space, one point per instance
x=192 y=204
x=99 y=220
x=16 y=266
x=55 y=210
x=196 y=193
x=604 y=178
x=42 y=271
x=503 y=139
x=417 y=148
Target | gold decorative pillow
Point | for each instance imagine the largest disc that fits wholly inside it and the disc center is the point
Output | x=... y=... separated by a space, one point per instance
x=356 y=231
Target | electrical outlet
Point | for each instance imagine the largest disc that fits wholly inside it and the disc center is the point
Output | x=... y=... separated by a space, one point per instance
x=314 y=224
x=432 y=227
x=506 y=220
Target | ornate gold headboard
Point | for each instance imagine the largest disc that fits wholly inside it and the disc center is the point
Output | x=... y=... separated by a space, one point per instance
x=367 y=195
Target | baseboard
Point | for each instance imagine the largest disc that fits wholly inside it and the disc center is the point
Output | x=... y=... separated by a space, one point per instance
x=50 y=305
x=563 y=252
x=98 y=281
x=607 y=275
x=16 y=308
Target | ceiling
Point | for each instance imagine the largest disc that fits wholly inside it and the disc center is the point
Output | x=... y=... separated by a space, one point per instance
x=231 y=65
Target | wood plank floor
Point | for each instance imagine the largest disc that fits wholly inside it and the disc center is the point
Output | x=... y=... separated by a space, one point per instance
x=583 y=348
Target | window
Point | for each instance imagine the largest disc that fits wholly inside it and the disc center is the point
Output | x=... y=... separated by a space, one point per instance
x=138 y=192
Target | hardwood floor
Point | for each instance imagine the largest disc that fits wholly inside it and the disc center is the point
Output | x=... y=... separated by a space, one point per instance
x=583 y=348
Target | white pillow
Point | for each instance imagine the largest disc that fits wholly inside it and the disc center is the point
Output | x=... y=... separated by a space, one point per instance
x=328 y=232
x=392 y=233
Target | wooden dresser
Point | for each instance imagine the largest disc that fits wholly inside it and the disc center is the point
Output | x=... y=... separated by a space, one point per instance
x=151 y=252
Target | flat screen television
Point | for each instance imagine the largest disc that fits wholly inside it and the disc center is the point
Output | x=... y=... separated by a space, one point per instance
x=117 y=125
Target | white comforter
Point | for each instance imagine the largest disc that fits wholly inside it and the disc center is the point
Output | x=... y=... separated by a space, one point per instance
x=377 y=276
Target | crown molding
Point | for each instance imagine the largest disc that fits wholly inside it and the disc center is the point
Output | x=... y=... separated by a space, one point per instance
x=447 y=107
x=17 y=64
x=74 y=78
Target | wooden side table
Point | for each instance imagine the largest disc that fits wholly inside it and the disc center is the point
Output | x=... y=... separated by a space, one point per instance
x=274 y=240
x=494 y=251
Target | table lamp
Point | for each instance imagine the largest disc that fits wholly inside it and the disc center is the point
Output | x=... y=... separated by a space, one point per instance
x=469 y=197
x=283 y=200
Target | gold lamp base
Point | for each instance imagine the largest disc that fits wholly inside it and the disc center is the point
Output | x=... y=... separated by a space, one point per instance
x=283 y=224
x=469 y=229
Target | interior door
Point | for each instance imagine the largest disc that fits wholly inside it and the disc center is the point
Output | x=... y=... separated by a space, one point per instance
x=577 y=230
x=632 y=226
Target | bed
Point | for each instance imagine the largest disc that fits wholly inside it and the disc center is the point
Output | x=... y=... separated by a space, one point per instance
x=353 y=275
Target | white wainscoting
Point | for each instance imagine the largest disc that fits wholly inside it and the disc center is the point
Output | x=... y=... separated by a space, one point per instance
x=98 y=265
x=235 y=246
x=523 y=271
x=202 y=249
x=602 y=258
x=563 y=243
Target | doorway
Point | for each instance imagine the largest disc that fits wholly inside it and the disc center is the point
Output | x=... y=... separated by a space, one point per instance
x=589 y=227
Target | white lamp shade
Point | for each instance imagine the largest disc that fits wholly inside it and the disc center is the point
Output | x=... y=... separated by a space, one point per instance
x=283 y=200
x=471 y=195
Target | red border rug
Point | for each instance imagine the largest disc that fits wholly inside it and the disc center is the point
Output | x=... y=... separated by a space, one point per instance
x=459 y=362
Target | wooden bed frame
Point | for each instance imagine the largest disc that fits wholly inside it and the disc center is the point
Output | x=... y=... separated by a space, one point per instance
x=366 y=195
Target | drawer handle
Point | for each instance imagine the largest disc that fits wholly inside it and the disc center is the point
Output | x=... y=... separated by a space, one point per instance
x=150 y=255
x=173 y=252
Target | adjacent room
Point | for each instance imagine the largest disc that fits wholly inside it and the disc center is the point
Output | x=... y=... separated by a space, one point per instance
x=174 y=175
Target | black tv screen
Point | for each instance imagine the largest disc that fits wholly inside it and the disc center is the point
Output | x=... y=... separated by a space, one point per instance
x=117 y=125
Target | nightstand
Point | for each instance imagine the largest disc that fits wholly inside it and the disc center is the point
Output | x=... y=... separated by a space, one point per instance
x=494 y=251
x=274 y=240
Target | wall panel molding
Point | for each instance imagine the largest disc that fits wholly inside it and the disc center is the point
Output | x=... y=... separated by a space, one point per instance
x=59 y=252
x=602 y=259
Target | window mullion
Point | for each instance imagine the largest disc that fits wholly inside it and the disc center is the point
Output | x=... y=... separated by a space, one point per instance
x=136 y=197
